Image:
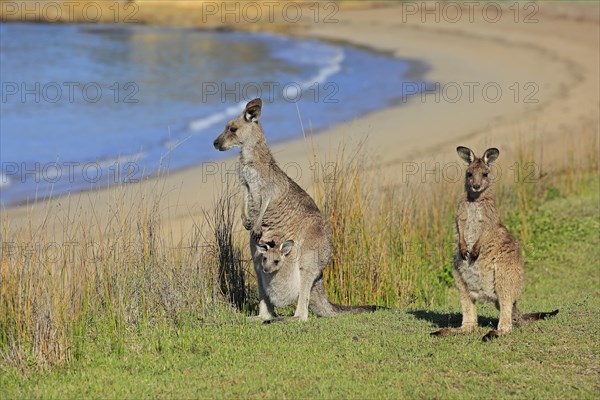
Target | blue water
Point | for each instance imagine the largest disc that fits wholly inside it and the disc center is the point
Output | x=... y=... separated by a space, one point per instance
x=89 y=105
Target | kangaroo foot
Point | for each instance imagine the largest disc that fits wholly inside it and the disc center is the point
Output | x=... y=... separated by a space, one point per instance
x=454 y=331
x=300 y=318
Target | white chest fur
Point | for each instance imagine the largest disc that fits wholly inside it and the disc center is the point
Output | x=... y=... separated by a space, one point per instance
x=282 y=287
x=479 y=283
x=473 y=225
x=254 y=182
x=251 y=177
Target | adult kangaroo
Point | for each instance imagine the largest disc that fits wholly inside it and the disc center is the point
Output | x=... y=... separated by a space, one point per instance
x=488 y=264
x=274 y=202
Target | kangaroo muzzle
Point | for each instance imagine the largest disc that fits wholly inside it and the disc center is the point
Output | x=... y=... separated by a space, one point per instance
x=218 y=144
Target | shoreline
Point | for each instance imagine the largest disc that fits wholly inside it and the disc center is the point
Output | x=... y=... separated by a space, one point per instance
x=416 y=70
x=416 y=130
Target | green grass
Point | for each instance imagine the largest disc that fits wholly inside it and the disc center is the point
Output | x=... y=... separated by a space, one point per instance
x=385 y=354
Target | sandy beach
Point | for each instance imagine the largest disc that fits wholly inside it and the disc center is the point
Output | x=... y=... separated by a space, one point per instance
x=535 y=75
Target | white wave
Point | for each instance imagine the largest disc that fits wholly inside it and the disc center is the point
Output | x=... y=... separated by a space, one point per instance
x=324 y=73
x=200 y=124
x=306 y=52
x=329 y=57
x=293 y=91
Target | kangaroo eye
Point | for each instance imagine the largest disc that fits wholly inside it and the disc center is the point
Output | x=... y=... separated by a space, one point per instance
x=485 y=174
x=232 y=129
x=276 y=262
x=469 y=174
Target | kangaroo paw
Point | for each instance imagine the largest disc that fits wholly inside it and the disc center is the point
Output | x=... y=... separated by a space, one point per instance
x=256 y=233
x=475 y=252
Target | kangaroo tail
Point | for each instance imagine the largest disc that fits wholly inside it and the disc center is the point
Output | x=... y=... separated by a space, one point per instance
x=525 y=318
x=323 y=308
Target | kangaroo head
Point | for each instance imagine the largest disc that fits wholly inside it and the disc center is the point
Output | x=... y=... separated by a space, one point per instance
x=272 y=255
x=241 y=130
x=477 y=176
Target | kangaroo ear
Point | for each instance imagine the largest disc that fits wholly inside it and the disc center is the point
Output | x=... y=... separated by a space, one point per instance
x=490 y=155
x=252 y=110
x=286 y=247
x=466 y=154
x=262 y=248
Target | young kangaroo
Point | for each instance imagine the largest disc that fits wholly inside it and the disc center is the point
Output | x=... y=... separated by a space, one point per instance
x=488 y=264
x=273 y=255
x=274 y=202
x=280 y=277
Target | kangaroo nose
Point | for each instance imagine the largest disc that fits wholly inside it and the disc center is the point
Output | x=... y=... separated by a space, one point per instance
x=216 y=144
x=476 y=186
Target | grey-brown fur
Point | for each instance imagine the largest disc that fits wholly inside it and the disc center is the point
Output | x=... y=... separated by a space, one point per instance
x=274 y=254
x=488 y=264
x=275 y=203
x=278 y=273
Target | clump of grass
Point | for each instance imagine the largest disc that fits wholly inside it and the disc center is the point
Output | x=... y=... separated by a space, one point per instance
x=233 y=281
x=108 y=277
x=391 y=247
